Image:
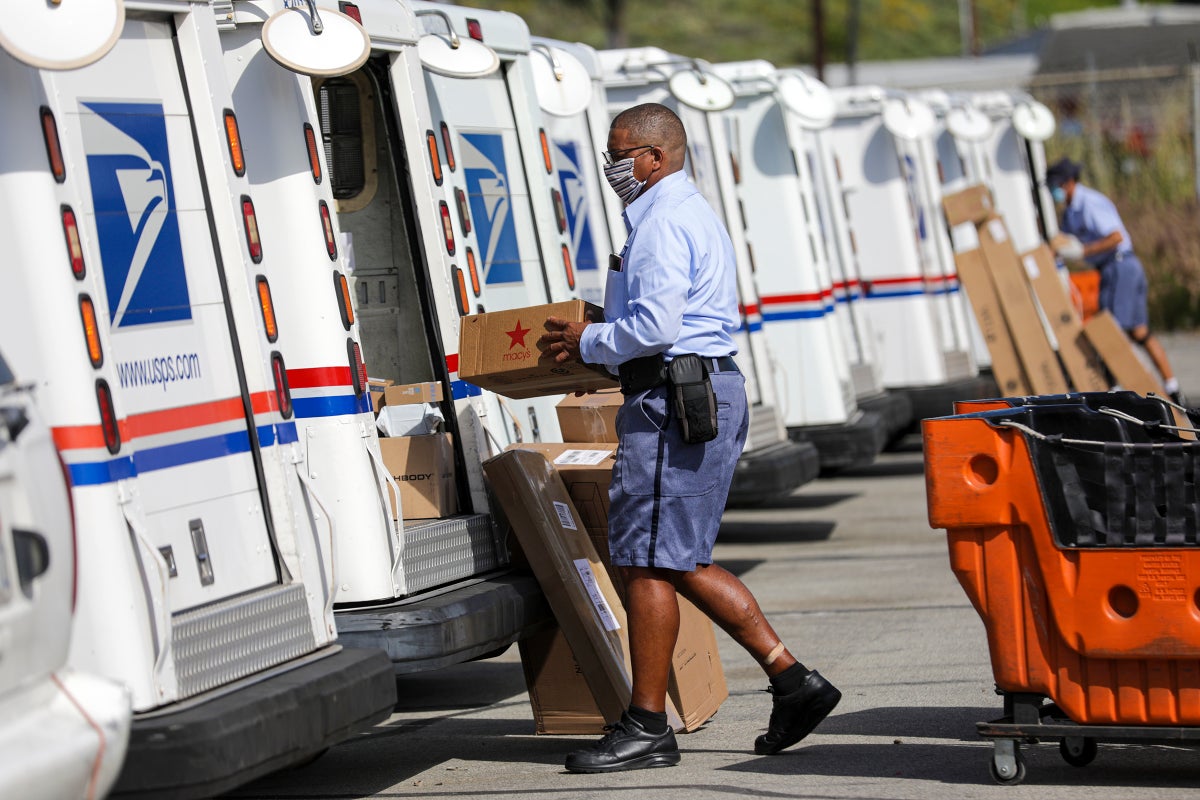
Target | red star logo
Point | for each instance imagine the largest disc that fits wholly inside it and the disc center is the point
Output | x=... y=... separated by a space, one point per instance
x=517 y=335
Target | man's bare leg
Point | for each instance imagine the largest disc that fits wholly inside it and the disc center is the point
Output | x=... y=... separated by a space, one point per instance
x=653 y=616
x=1142 y=335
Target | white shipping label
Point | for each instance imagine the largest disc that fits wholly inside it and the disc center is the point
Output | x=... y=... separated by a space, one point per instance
x=564 y=515
x=996 y=229
x=1031 y=267
x=593 y=589
x=582 y=457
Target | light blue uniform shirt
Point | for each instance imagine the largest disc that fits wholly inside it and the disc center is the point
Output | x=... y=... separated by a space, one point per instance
x=676 y=290
x=1092 y=216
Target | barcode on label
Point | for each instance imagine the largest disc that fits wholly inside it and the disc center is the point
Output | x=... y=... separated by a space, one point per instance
x=593 y=589
x=565 y=518
x=582 y=457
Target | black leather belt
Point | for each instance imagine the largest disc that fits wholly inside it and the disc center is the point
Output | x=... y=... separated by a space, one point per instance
x=721 y=364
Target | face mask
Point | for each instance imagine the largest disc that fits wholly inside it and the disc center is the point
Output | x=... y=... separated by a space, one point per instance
x=1059 y=195
x=620 y=177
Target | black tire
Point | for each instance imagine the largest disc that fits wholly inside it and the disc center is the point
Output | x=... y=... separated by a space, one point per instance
x=1008 y=781
x=1078 y=756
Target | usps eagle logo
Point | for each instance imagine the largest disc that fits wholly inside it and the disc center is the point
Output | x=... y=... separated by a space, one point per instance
x=129 y=167
x=490 y=196
x=579 y=222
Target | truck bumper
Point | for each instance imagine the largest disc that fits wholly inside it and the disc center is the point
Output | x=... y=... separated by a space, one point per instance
x=851 y=444
x=773 y=471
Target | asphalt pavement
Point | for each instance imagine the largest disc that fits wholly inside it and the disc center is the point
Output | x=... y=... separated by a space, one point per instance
x=849 y=572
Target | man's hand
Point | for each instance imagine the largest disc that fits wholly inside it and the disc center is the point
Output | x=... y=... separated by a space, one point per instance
x=1067 y=247
x=561 y=339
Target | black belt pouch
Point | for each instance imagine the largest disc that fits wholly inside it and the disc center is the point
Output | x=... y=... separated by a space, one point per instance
x=642 y=374
x=695 y=403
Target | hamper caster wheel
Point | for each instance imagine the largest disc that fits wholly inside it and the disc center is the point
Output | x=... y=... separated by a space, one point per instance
x=1078 y=751
x=1007 y=766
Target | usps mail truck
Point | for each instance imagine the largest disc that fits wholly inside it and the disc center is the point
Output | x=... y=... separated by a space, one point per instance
x=775 y=195
x=448 y=204
x=879 y=142
x=809 y=109
x=771 y=464
x=205 y=579
x=570 y=88
x=63 y=732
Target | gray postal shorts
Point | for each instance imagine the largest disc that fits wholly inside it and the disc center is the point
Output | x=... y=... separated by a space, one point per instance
x=667 y=496
x=1123 y=291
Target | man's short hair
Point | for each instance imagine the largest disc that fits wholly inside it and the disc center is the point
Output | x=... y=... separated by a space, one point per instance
x=1061 y=171
x=653 y=123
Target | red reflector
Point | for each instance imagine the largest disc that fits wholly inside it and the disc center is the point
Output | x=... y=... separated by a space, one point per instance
x=570 y=270
x=464 y=211
x=358 y=370
x=283 y=395
x=108 y=417
x=253 y=243
x=74 y=247
x=53 y=149
x=448 y=145
x=447 y=227
x=327 y=225
x=351 y=11
x=475 y=30
x=560 y=212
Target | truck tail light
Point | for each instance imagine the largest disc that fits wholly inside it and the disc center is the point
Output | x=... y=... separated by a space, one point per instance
x=236 y=159
x=58 y=167
x=460 y=291
x=448 y=146
x=358 y=370
x=560 y=212
x=473 y=269
x=267 y=306
x=447 y=227
x=327 y=226
x=568 y=267
x=351 y=11
x=314 y=160
x=91 y=331
x=475 y=30
x=253 y=243
x=74 y=246
x=342 y=287
x=464 y=211
x=435 y=160
x=283 y=394
x=108 y=417
x=546 y=160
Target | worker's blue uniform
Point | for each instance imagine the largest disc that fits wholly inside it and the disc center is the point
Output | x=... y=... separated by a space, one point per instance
x=1090 y=216
x=672 y=291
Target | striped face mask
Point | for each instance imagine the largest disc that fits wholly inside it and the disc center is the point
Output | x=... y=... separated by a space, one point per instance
x=620 y=177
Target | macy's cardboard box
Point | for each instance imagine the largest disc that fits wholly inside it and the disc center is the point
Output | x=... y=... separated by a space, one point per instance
x=557 y=692
x=498 y=351
x=590 y=417
x=423 y=467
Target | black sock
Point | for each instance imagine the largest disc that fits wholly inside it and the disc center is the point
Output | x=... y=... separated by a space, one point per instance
x=790 y=679
x=655 y=722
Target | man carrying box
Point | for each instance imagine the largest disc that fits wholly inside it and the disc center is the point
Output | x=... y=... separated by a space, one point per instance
x=671 y=309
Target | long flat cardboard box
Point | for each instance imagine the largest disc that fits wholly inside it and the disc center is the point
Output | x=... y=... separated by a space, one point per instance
x=1038 y=358
x=1077 y=354
x=1006 y=364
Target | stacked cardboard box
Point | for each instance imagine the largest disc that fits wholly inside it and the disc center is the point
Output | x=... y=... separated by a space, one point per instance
x=1010 y=293
x=419 y=457
x=558 y=694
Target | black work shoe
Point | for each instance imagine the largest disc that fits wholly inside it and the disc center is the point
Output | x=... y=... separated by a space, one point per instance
x=793 y=716
x=626 y=745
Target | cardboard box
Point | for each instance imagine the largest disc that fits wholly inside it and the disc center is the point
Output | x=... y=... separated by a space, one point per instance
x=560 y=700
x=1077 y=354
x=1006 y=364
x=1038 y=358
x=973 y=204
x=409 y=393
x=376 y=388
x=590 y=417
x=531 y=495
x=498 y=351
x=423 y=467
x=1114 y=347
x=562 y=704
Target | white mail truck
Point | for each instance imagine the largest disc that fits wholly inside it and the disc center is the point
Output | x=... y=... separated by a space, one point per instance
x=206 y=575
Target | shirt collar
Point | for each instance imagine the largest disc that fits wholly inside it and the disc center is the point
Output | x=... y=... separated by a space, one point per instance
x=637 y=210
